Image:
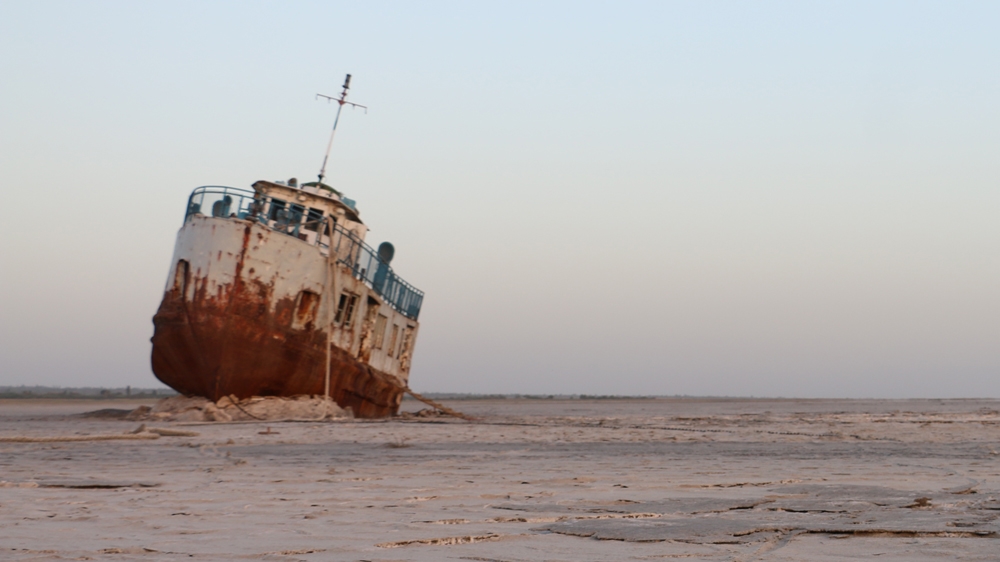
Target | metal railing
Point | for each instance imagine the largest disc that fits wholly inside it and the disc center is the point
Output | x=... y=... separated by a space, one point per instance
x=312 y=227
x=367 y=266
x=220 y=201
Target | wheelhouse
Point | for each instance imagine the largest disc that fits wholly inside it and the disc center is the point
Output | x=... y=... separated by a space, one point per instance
x=318 y=216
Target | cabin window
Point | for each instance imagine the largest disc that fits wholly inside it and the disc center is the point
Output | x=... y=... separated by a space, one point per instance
x=306 y=307
x=341 y=306
x=380 y=330
x=392 y=339
x=180 y=277
x=313 y=219
x=345 y=309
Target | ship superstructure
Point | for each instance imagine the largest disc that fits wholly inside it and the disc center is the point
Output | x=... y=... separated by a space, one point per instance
x=274 y=292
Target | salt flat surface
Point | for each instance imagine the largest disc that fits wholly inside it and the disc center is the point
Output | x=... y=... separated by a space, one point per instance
x=560 y=480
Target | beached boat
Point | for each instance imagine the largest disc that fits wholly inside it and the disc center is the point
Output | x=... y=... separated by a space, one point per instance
x=274 y=292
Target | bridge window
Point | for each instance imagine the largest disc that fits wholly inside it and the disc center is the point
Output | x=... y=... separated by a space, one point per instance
x=313 y=219
x=277 y=206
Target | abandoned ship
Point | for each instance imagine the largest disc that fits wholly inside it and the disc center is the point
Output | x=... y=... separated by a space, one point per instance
x=274 y=292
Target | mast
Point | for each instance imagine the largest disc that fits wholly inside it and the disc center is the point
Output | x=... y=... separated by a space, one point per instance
x=341 y=102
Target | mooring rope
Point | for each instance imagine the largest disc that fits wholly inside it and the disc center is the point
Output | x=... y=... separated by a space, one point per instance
x=438 y=406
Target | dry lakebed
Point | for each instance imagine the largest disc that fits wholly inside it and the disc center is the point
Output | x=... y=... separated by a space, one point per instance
x=528 y=479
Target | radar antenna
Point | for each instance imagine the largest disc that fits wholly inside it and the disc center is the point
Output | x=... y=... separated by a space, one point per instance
x=341 y=102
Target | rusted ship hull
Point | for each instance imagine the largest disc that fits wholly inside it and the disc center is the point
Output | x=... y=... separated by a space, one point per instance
x=215 y=349
x=251 y=311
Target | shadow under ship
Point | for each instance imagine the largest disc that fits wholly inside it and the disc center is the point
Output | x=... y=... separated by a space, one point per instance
x=274 y=292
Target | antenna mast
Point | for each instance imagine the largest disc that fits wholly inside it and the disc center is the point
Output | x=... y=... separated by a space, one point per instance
x=341 y=102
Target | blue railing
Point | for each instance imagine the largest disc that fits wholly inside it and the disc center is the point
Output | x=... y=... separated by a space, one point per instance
x=312 y=227
x=377 y=274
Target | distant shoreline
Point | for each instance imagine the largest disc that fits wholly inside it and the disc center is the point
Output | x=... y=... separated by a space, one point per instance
x=82 y=393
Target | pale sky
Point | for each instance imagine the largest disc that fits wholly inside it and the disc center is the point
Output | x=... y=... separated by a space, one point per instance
x=791 y=199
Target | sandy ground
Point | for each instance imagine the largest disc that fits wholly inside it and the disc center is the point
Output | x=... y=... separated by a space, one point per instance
x=565 y=480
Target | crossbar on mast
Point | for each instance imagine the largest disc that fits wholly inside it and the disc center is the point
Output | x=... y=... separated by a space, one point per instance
x=341 y=102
